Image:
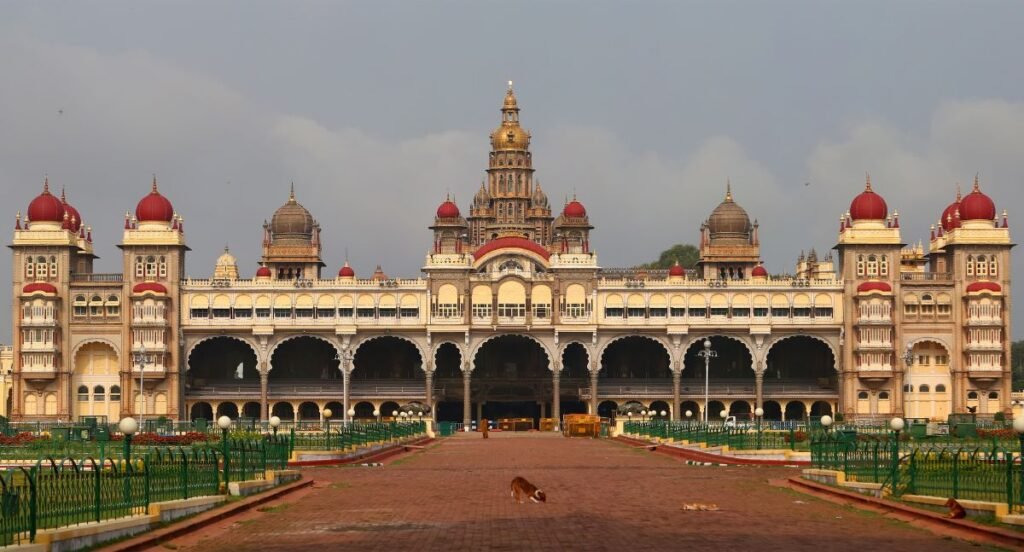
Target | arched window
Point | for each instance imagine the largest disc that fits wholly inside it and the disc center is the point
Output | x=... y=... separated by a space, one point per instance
x=972 y=395
x=908 y=388
x=115 y=392
x=80 y=305
x=83 y=393
x=41 y=267
x=30 y=269
x=150 y=267
x=924 y=388
x=993 y=267
x=884 y=265
x=940 y=388
x=96 y=306
x=860 y=265
x=863 y=395
x=970 y=265
x=993 y=395
x=98 y=393
x=113 y=306
x=53 y=266
x=140 y=268
x=883 y=396
x=163 y=267
x=981 y=268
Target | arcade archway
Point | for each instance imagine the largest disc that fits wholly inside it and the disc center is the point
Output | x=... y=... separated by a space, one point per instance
x=575 y=376
x=305 y=358
x=511 y=379
x=448 y=383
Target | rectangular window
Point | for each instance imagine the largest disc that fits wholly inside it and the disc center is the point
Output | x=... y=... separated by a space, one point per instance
x=447 y=310
x=760 y=311
x=944 y=309
x=263 y=313
x=303 y=313
x=199 y=313
x=409 y=312
x=576 y=310
x=823 y=312
x=95 y=310
x=221 y=313
x=387 y=312
x=698 y=313
x=657 y=312
x=365 y=312
x=243 y=313
x=719 y=311
x=927 y=309
x=481 y=310
x=613 y=312
x=511 y=310
x=677 y=312
x=780 y=313
x=636 y=312
x=325 y=313
x=802 y=312
x=910 y=309
x=282 y=313
x=345 y=312
x=81 y=310
x=740 y=313
x=113 y=310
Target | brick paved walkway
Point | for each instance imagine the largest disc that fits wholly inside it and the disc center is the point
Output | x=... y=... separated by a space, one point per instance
x=601 y=496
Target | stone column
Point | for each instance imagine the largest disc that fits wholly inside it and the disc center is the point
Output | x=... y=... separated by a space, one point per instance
x=955 y=389
x=676 y=376
x=429 y=399
x=346 y=376
x=593 y=391
x=556 y=397
x=264 y=393
x=467 y=414
x=758 y=390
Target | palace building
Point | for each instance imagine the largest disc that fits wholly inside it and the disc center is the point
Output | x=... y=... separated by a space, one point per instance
x=513 y=316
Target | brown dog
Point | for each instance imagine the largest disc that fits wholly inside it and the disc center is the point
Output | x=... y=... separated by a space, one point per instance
x=523 y=488
x=956 y=511
x=485 y=427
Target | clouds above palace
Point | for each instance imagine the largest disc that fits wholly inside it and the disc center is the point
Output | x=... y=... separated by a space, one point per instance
x=100 y=120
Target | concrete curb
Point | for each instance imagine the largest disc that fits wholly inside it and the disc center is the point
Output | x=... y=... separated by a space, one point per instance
x=708 y=458
x=154 y=538
x=368 y=457
x=937 y=523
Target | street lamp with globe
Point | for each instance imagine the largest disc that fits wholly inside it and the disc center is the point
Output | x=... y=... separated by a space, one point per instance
x=274 y=423
x=224 y=423
x=1018 y=426
x=759 y=414
x=327 y=426
x=376 y=414
x=896 y=425
x=128 y=426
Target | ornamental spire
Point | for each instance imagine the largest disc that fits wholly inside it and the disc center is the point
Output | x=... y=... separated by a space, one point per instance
x=728 y=190
x=958 y=196
x=291 y=194
x=867 y=185
x=976 y=187
x=154 y=190
x=46 y=184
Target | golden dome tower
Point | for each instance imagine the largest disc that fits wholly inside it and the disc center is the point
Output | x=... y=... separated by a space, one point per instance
x=291 y=242
x=729 y=246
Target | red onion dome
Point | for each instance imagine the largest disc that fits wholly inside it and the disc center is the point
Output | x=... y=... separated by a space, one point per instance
x=347 y=272
x=149 y=287
x=874 y=286
x=154 y=207
x=263 y=272
x=574 y=209
x=676 y=270
x=868 y=205
x=448 y=209
x=949 y=219
x=46 y=207
x=39 y=287
x=759 y=271
x=74 y=219
x=984 y=286
x=976 y=205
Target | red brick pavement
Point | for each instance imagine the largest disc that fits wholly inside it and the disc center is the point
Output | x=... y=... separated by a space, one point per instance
x=601 y=496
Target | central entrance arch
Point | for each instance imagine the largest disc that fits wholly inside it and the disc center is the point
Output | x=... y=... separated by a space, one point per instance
x=511 y=379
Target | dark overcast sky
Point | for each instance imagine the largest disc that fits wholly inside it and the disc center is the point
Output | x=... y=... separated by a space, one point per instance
x=376 y=109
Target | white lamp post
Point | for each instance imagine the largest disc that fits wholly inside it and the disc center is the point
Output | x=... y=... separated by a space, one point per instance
x=758 y=413
x=708 y=354
x=140 y=359
x=128 y=426
x=351 y=413
x=826 y=422
x=224 y=423
x=376 y=413
x=274 y=423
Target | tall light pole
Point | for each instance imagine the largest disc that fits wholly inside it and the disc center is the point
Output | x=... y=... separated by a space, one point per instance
x=908 y=360
x=140 y=359
x=708 y=354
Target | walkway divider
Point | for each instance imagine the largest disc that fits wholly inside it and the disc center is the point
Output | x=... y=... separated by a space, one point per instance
x=699 y=456
x=368 y=456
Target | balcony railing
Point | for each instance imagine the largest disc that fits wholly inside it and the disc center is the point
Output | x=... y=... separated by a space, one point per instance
x=926 y=276
x=106 y=278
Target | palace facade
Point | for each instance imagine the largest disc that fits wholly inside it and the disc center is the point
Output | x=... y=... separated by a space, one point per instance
x=513 y=316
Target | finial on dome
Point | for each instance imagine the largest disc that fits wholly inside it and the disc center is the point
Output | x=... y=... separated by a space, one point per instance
x=728 y=190
x=958 y=196
x=509 y=86
x=976 y=187
x=226 y=248
x=154 y=184
x=17 y=220
x=63 y=199
x=46 y=184
x=867 y=185
x=291 y=194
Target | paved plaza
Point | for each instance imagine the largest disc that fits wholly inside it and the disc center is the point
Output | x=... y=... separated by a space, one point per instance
x=602 y=495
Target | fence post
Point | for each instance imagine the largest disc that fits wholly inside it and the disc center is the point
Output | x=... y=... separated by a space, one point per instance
x=895 y=478
x=145 y=479
x=1008 y=459
x=33 y=503
x=792 y=438
x=184 y=475
x=96 y=489
x=956 y=473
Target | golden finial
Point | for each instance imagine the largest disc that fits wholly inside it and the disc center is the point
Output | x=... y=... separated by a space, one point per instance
x=63 y=199
x=291 y=194
x=154 y=183
x=958 y=192
x=867 y=186
x=46 y=184
x=976 y=187
x=728 y=190
x=509 y=86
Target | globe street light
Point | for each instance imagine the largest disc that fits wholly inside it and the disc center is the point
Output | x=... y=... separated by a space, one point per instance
x=1018 y=426
x=758 y=413
x=826 y=422
x=128 y=426
x=376 y=414
x=707 y=354
x=224 y=423
x=274 y=422
x=351 y=413
x=327 y=426
x=896 y=425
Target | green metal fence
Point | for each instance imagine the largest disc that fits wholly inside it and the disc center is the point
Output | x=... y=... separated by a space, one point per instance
x=736 y=438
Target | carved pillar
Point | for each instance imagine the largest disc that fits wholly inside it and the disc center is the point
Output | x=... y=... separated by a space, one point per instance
x=346 y=377
x=758 y=390
x=264 y=393
x=429 y=379
x=593 y=391
x=556 y=397
x=676 y=376
x=467 y=414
